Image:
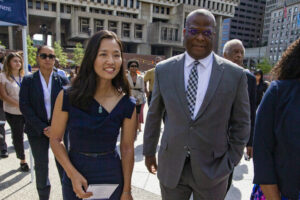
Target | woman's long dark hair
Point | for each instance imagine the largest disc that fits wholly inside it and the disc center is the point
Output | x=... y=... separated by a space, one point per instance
x=85 y=84
x=260 y=72
x=288 y=66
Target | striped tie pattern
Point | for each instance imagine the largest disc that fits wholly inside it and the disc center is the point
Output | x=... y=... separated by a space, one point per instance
x=191 y=92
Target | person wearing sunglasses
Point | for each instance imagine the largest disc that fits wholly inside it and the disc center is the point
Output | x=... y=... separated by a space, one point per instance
x=37 y=97
x=136 y=83
x=207 y=121
x=10 y=83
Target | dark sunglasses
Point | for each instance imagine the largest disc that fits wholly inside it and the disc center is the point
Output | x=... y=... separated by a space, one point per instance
x=44 y=56
x=196 y=31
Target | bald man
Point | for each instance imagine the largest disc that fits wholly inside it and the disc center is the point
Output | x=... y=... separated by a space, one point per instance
x=207 y=122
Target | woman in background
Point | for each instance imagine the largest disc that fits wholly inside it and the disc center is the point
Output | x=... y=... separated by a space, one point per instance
x=10 y=83
x=261 y=86
x=136 y=83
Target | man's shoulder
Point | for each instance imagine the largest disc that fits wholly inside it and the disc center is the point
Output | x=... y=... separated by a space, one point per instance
x=169 y=62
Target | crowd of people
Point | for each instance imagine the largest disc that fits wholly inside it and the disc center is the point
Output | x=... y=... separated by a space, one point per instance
x=212 y=107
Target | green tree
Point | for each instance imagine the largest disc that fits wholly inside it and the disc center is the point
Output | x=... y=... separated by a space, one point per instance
x=60 y=54
x=265 y=66
x=2 y=45
x=78 y=54
x=31 y=51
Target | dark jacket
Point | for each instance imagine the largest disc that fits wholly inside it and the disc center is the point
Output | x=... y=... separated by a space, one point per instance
x=277 y=138
x=260 y=90
x=252 y=99
x=32 y=103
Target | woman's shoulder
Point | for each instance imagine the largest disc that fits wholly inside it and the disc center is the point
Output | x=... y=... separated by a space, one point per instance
x=129 y=99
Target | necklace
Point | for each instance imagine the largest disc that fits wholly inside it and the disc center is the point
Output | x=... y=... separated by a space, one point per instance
x=100 y=109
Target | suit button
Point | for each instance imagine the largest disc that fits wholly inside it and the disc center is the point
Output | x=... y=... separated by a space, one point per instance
x=191 y=128
x=185 y=147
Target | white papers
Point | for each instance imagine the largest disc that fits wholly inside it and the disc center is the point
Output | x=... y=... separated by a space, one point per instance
x=101 y=191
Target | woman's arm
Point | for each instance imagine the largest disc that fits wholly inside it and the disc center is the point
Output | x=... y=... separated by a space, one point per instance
x=271 y=191
x=58 y=127
x=127 y=153
x=7 y=98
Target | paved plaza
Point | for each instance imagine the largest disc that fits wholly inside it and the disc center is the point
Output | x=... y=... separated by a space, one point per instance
x=15 y=185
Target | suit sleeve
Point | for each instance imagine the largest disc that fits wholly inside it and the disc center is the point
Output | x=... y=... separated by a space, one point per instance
x=239 y=124
x=153 y=121
x=252 y=98
x=27 y=110
x=264 y=139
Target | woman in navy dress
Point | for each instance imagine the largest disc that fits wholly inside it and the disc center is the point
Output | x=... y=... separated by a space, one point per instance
x=94 y=109
x=276 y=145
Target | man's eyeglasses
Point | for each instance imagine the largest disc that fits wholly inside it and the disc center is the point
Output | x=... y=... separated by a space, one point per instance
x=196 y=31
x=133 y=65
x=44 y=56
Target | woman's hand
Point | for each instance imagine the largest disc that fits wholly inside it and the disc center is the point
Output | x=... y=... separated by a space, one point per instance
x=126 y=196
x=80 y=185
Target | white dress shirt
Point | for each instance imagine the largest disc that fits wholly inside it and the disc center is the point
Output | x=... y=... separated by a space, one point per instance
x=47 y=93
x=204 y=72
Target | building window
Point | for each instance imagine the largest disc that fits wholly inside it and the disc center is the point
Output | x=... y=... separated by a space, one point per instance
x=126 y=30
x=99 y=25
x=170 y=34
x=38 y=5
x=162 y=10
x=112 y=2
x=30 y=5
x=99 y=1
x=84 y=25
x=68 y=9
x=113 y=26
x=168 y=11
x=62 y=10
x=156 y=9
x=138 y=30
x=137 y=4
x=125 y=3
x=164 y=33
x=54 y=7
x=296 y=9
x=46 y=6
x=131 y=4
x=119 y=2
x=176 y=34
x=83 y=9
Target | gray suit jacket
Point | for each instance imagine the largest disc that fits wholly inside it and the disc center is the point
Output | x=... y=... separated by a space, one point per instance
x=217 y=136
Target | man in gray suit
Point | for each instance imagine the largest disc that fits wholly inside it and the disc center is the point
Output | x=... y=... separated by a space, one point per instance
x=207 y=121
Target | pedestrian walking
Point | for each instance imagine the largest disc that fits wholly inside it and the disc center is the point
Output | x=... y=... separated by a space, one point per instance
x=37 y=97
x=277 y=133
x=137 y=89
x=94 y=109
x=10 y=83
x=207 y=122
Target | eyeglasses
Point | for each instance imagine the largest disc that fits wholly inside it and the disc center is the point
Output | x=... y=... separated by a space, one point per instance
x=133 y=65
x=197 y=31
x=44 y=56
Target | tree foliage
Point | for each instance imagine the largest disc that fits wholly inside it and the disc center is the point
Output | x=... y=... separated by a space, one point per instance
x=60 y=54
x=78 y=54
x=2 y=45
x=265 y=66
x=31 y=51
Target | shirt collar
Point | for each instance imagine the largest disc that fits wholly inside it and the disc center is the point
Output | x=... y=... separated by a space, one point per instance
x=205 y=61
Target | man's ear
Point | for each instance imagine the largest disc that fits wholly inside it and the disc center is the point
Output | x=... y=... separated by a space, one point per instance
x=225 y=55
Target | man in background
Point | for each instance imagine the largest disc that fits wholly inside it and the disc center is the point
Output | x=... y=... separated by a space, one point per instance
x=234 y=51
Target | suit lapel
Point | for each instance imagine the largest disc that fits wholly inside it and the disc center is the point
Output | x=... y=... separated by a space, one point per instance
x=215 y=77
x=55 y=89
x=179 y=83
x=40 y=92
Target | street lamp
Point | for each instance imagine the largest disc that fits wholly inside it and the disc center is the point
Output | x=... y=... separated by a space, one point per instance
x=44 y=29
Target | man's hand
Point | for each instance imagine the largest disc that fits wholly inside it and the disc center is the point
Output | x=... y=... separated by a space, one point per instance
x=47 y=131
x=249 y=151
x=151 y=164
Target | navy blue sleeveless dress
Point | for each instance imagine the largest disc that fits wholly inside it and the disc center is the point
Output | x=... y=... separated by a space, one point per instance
x=96 y=131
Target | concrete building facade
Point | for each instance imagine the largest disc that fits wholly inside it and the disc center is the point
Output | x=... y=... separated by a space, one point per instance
x=144 y=26
x=284 y=29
